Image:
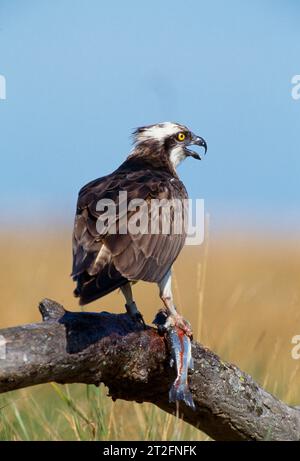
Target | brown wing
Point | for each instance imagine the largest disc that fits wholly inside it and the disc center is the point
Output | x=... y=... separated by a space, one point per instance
x=104 y=262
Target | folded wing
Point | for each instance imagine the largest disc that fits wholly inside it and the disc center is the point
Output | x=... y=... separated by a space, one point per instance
x=105 y=261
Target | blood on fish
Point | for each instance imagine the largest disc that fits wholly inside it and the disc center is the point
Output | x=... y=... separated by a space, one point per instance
x=180 y=334
x=181 y=357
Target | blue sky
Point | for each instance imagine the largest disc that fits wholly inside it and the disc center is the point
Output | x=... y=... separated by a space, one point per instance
x=81 y=75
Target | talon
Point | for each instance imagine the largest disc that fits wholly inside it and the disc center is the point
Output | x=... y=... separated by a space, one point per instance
x=135 y=314
x=179 y=322
x=137 y=317
x=160 y=322
x=161 y=329
x=164 y=322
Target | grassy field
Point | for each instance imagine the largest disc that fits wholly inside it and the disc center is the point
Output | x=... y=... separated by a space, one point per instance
x=241 y=295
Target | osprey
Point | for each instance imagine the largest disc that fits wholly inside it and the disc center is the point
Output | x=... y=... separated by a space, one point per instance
x=104 y=261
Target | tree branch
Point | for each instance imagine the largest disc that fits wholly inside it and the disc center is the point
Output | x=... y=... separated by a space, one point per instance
x=134 y=364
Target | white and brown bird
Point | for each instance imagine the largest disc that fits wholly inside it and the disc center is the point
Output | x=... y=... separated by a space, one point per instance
x=105 y=261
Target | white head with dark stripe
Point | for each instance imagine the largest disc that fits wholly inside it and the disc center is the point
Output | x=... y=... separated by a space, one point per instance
x=172 y=139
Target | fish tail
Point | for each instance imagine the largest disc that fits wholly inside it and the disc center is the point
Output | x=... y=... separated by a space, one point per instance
x=181 y=392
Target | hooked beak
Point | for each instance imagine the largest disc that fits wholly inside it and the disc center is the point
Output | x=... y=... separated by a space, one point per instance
x=196 y=141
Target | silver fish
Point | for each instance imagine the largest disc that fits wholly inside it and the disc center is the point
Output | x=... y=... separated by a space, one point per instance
x=183 y=361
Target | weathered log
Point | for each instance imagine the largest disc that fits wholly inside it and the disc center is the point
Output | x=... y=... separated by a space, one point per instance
x=133 y=363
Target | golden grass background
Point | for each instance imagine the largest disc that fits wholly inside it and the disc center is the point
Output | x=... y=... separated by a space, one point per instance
x=242 y=296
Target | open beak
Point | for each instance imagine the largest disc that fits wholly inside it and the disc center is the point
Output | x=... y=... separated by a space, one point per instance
x=196 y=141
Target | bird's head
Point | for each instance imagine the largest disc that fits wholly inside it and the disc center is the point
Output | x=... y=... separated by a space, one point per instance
x=168 y=139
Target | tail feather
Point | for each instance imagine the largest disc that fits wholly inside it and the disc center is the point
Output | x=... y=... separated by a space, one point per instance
x=89 y=288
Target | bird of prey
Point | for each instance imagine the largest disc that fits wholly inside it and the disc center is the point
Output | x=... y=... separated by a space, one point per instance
x=106 y=261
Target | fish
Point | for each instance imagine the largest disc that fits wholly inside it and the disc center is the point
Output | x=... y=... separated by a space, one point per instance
x=182 y=360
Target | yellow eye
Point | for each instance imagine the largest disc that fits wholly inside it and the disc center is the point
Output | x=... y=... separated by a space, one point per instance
x=181 y=136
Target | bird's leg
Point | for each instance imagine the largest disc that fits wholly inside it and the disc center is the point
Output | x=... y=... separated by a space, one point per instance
x=173 y=318
x=130 y=305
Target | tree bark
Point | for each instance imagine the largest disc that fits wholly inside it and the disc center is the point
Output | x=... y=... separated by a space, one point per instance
x=133 y=363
